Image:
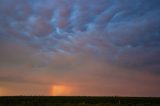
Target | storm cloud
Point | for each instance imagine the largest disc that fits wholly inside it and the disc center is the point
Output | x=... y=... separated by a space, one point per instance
x=108 y=45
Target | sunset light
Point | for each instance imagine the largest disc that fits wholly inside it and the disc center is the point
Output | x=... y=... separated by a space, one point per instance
x=61 y=90
x=1 y=91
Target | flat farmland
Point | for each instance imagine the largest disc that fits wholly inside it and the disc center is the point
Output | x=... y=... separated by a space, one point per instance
x=78 y=101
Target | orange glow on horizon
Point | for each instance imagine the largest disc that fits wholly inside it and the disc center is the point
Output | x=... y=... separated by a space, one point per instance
x=61 y=90
x=2 y=92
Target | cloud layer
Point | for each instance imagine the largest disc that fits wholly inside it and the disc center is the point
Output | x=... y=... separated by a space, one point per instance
x=109 y=43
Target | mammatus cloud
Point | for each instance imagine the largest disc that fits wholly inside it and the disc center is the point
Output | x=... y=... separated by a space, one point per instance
x=89 y=44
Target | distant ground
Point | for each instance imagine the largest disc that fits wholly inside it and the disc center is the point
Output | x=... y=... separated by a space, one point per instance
x=77 y=101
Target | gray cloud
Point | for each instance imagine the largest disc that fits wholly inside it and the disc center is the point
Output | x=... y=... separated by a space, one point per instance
x=126 y=26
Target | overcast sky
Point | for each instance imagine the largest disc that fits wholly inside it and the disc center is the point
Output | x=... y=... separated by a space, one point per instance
x=80 y=47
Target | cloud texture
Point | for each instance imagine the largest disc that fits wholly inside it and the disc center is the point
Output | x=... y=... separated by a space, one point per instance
x=104 y=47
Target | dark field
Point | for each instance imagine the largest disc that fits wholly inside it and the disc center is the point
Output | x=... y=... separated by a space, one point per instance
x=77 y=101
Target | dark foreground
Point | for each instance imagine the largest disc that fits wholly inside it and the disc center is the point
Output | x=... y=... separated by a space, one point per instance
x=78 y=101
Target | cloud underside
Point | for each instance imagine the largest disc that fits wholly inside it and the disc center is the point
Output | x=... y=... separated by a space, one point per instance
x=104 y=44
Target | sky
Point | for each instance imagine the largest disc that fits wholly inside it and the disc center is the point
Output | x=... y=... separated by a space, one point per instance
x=80 y=47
